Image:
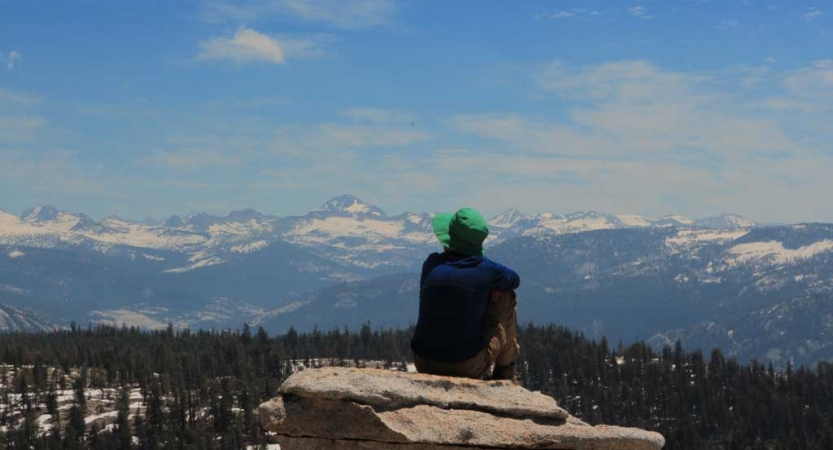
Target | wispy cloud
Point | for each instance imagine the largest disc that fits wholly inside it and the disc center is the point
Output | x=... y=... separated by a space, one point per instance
x=49 y=172
x=245 y=46
x=304 y=47
x=728 y=24
x=633 y=109
x=378 y=115
x=814 y=82
x=332 y=137
x=811 y=15
x=567 y=14
x=642 y=133
x=562 y=15
x=640 y=12
x=347 y=14
x=10 y=58
x=18 y=98
x=17 y=128
x=190 y=159
x=751 y=76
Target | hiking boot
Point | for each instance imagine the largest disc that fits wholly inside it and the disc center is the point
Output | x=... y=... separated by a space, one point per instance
x=506 y=373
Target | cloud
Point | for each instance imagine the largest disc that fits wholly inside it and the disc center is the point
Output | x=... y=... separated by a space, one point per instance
x=11 y=58
x=562 y=15
x=308 y=47
x=727 y=24
x=190 y=158
x=18 y=128
x=247 y=45
x=378 y=115
x=53 y=172
x=814 y=82
x=18 y=98
x=750 y=76
x=811 y=15
x=347 y=14
x=640 y=12
x=641 y=135
x=344 y=13
x=540 y=182
x=633 y=109
x=331 y=137
x=632 y=81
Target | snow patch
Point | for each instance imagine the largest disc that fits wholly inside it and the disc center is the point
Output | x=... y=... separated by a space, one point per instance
x=775 y=252
x=250 y=248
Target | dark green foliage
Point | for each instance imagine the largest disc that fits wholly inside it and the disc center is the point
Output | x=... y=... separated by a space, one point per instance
x=201 y=388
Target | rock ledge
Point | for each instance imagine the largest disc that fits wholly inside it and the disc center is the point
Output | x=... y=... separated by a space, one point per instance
x=367 y=409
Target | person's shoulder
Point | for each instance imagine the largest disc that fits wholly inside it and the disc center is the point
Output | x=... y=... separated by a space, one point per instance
x=433 y=259
x=492 y=263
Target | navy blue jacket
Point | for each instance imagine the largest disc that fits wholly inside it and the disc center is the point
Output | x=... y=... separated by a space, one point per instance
x=454 y=292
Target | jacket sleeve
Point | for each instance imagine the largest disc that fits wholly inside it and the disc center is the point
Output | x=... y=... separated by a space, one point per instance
x=506 y=279
x=429 y=264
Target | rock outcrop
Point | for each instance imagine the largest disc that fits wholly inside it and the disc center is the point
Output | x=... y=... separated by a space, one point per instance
x=367 y=409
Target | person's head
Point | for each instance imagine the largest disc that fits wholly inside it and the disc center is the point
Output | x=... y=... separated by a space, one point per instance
x=461 y=232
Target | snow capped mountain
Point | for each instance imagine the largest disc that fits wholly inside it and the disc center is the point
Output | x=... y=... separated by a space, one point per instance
x=46 y=213
x=506 y=219
x=616 y=274
x=344 y=229
x=349 y=206
x=725 y=221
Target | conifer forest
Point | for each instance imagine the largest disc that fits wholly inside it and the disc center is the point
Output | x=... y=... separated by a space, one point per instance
x=108 y=388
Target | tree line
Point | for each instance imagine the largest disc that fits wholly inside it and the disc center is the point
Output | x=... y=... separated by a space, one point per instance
x=199 y=389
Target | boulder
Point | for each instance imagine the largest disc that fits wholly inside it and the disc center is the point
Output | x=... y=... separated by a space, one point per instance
x=358 y=409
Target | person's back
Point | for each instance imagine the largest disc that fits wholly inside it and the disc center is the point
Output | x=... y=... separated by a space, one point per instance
x=467 y=318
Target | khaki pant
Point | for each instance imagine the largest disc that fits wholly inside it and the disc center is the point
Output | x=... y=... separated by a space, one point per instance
x=500 y=325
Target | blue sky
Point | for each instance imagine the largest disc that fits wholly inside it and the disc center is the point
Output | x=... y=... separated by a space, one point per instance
x=141 y=108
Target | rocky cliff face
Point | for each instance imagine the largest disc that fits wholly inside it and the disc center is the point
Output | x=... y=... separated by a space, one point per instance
x=366 y=409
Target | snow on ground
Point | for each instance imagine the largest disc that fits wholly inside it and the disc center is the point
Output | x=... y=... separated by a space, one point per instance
x=250 y=247
x=212 y=261
x=324 y=230
x=680 y=219
x=107 y=415
x=774 y=251
x=633 y=220
x=561 y=224
x=687 y=240
x=127 y=317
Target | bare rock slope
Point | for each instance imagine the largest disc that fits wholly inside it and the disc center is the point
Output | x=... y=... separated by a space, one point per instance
x=366 y=409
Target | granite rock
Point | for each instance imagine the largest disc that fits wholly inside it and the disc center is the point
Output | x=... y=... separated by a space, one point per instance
x=361 y=409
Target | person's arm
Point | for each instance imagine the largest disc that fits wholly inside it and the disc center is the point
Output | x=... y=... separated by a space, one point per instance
x=506 y=279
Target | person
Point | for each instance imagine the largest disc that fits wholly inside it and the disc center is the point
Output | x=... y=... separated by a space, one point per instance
x=467 y=305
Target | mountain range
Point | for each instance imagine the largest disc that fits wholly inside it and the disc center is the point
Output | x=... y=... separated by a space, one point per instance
x=753 y=290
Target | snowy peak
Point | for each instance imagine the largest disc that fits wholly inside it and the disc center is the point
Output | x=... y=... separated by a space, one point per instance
x=244 y=215
x=37 y=214
x=674 y=221
x=174 y=222
x=349 y=206
x=508 y=218
x=725 y=222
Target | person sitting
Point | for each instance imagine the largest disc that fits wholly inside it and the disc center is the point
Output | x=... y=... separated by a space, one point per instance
x=467 y=305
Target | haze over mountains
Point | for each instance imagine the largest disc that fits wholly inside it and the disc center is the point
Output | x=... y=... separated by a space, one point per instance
x=724 y=281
